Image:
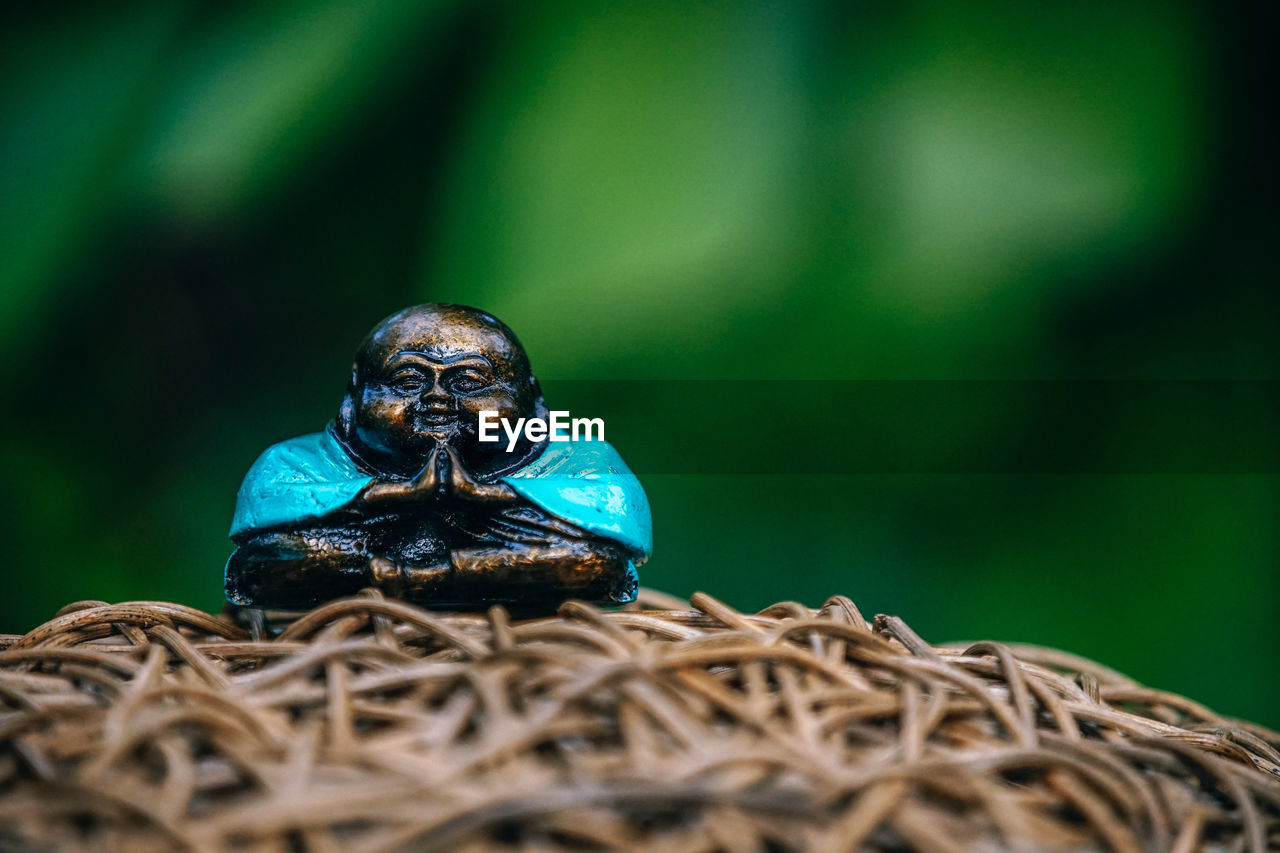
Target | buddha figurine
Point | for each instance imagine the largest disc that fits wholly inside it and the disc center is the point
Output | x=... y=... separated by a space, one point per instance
x=401 y=493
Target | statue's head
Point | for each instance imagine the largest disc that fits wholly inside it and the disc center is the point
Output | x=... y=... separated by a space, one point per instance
x=421 y=378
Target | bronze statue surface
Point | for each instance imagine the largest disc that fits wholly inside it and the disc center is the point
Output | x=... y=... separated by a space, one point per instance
x=401 y=493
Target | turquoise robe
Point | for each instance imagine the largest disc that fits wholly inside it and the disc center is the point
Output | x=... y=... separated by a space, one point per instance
x=585 y=483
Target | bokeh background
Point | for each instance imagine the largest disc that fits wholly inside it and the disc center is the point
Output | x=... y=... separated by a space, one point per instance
x=204 y=206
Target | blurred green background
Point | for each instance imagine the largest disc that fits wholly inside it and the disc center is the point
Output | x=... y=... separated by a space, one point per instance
x=204 y=206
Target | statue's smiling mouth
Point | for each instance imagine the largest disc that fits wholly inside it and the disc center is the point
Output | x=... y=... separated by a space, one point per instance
x=436 y=417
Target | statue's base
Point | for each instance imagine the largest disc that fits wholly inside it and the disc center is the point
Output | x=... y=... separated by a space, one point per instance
x=373 y=724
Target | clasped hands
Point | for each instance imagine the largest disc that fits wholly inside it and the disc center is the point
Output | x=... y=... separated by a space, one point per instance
x=444 y=474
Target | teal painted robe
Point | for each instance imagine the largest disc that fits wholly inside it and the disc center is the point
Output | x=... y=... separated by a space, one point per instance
x=585 y=483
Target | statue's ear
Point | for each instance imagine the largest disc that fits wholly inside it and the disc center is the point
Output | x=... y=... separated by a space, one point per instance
x=346 y=416
x=347 y=411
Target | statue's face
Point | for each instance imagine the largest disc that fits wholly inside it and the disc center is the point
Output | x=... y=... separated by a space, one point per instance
x=423 y=379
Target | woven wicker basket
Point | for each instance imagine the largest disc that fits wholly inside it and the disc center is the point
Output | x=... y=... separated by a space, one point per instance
x=371 y=724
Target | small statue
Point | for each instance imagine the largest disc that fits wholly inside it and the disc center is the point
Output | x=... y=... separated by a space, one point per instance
x=400 y=493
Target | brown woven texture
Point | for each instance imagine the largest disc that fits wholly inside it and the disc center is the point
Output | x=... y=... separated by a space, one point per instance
x=371 y=724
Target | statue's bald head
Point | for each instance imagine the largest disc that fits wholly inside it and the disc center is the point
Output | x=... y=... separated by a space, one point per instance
x=422 y=376
x=443 y=332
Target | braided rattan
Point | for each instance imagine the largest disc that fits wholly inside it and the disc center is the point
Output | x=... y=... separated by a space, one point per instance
x=371 y=724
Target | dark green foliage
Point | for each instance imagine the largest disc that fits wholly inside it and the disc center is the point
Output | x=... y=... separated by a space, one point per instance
x=204 y=206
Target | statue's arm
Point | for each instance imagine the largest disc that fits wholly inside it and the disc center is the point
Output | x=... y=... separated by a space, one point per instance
x=302 y=541
x=297 y=566
x=526 y=547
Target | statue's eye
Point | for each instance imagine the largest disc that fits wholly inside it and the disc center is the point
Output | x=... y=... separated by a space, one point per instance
x=408 y=383
x=466 y=383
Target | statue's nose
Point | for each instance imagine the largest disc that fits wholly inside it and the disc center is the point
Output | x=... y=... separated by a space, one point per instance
x=436 y=395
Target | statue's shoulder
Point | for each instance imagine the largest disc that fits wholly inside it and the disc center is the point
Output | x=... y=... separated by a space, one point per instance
x=587 y=484
x=303 y=477
x=313 y=458
x=578 y=459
